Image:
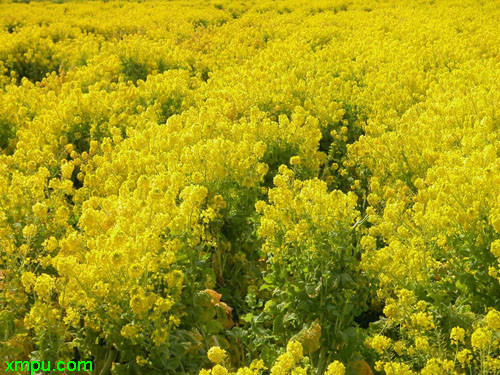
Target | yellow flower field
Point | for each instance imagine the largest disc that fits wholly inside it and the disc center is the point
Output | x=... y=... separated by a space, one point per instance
x=281 y=187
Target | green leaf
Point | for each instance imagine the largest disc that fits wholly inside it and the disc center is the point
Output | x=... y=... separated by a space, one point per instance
x=213 y=326
x=266 y=287
x=247 y=317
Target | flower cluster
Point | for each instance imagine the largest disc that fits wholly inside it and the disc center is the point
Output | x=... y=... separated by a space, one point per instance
x=194 y=185
x=291 y=362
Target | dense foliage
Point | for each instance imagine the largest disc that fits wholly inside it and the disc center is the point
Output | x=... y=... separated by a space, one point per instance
x=251 y=187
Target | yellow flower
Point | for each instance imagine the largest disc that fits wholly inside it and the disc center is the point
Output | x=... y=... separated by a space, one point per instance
x=141 y=361
x=299 y=371
x=423 y=320
x=493 y=319
x=260 y=206
x=29 y=231
x=283 y=364
x=159 y=336
x=464 y=356
x=197 y=177
x=380 y=343
x=219 y=370
x=295 y=349
x=295 y=160
x=457 y=335
x=335 y=368
x=432 y=367
x=394 y=368
x=480 y=339
x=28 y=279
x=216 y=354
x=40 y=210
x=129 y=331
x=257 y=365
x=399 y=347
x=495 y=248
x=44 y=286
x=67 y=170
x=164 y=305
x=422 y=344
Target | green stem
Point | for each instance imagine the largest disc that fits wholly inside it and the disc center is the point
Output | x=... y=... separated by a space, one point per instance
x=110 y=357
x=321 y=361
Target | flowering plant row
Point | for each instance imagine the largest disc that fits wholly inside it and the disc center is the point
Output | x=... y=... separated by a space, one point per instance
x=252 y=187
